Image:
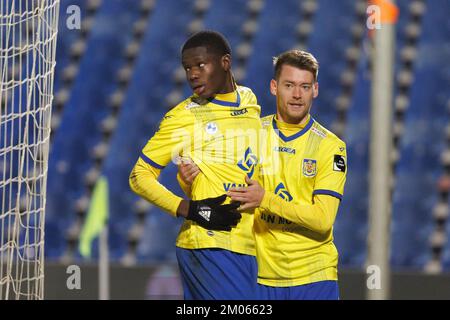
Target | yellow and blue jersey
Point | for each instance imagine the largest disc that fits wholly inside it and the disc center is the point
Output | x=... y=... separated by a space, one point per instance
x=221 y=137
x=299 y=164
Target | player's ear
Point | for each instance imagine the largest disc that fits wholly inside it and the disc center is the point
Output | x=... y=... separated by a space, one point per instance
x=316 y=89
x=273 y=87
x=226 y=62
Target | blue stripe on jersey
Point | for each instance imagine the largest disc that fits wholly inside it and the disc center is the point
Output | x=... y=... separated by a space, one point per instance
x=328 y=192
x=211 y=274
x=228 y=103
x=151 y=162
x=295 y=135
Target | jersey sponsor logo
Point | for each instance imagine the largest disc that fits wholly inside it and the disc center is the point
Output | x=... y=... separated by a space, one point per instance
x=239 y=112
x=248 y=163
x=284 y=149
x=339 y=163
x=228 y=185
x=211 y=127
x=205 y=212
x=309 y=167
x=282 y=192
x=272 y=218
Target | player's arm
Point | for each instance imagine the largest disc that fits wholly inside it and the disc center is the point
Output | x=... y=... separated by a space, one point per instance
x=187 y=171
x=318 y=217
x=143 y=181
x=155 y=155
x=208 y=213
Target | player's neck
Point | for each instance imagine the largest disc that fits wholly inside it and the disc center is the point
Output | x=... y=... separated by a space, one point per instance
x=228 y=92
x=229 y=86
x=301 y=124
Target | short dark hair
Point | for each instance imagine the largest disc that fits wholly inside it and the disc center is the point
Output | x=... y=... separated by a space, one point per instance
x=298 y=59
x=214 y=41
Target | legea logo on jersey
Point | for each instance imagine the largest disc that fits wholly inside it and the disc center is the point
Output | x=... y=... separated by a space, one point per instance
x=309 y=167
x=284 y=149
x=239 y=112
x=282 y=192
x=249 y=162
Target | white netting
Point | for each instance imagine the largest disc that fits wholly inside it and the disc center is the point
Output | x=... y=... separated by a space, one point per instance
x=28 y=30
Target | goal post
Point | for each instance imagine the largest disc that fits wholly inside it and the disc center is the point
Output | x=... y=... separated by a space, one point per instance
x=28 y=31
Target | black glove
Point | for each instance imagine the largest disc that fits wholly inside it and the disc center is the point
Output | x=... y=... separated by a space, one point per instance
x=210 y=214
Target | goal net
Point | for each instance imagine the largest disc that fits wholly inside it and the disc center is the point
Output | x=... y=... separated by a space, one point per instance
x=28 y=30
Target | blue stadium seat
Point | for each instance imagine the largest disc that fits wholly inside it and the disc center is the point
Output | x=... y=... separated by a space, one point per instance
x=419 y=165
x=328 y=42
x=87 y=105
x=158 y=241
x=66 y=36
x=227 y=17
x=354 y=207
x=276 y=34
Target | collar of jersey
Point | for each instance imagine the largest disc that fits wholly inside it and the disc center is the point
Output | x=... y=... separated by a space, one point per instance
x=295 y=135
x=226 y=103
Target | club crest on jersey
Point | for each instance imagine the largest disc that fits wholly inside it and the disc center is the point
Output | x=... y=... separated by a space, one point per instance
x=211 y=127
x=309 y=167
x=283 y=193
x=248 y=163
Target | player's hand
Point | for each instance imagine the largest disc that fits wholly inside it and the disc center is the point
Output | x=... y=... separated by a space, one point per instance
x=187 y=171
x=213 y=215
x=250 y=197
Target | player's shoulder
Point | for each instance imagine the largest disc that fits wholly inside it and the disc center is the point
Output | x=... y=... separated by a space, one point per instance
x=330 y=139
x=178 y=115
x=183 y=107
x=266 y=121
x=247 y=95
x=243 y=90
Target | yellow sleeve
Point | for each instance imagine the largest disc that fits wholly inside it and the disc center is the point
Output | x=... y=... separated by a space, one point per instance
x=332 y=169
x=143 y=181
x=318 y=217
x=168 y=142
x=165 y=145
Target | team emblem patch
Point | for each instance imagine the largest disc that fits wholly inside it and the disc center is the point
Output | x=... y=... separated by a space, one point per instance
x=309 y=167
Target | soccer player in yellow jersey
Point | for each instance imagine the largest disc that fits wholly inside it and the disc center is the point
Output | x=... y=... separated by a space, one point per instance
x=303 y=175
x=217 y=128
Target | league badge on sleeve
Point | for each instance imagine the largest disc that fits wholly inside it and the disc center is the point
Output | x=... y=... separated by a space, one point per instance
x=339 y=163
x=309 y=167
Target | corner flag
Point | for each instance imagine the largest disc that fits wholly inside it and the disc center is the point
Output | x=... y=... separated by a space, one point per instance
x=96 y=217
